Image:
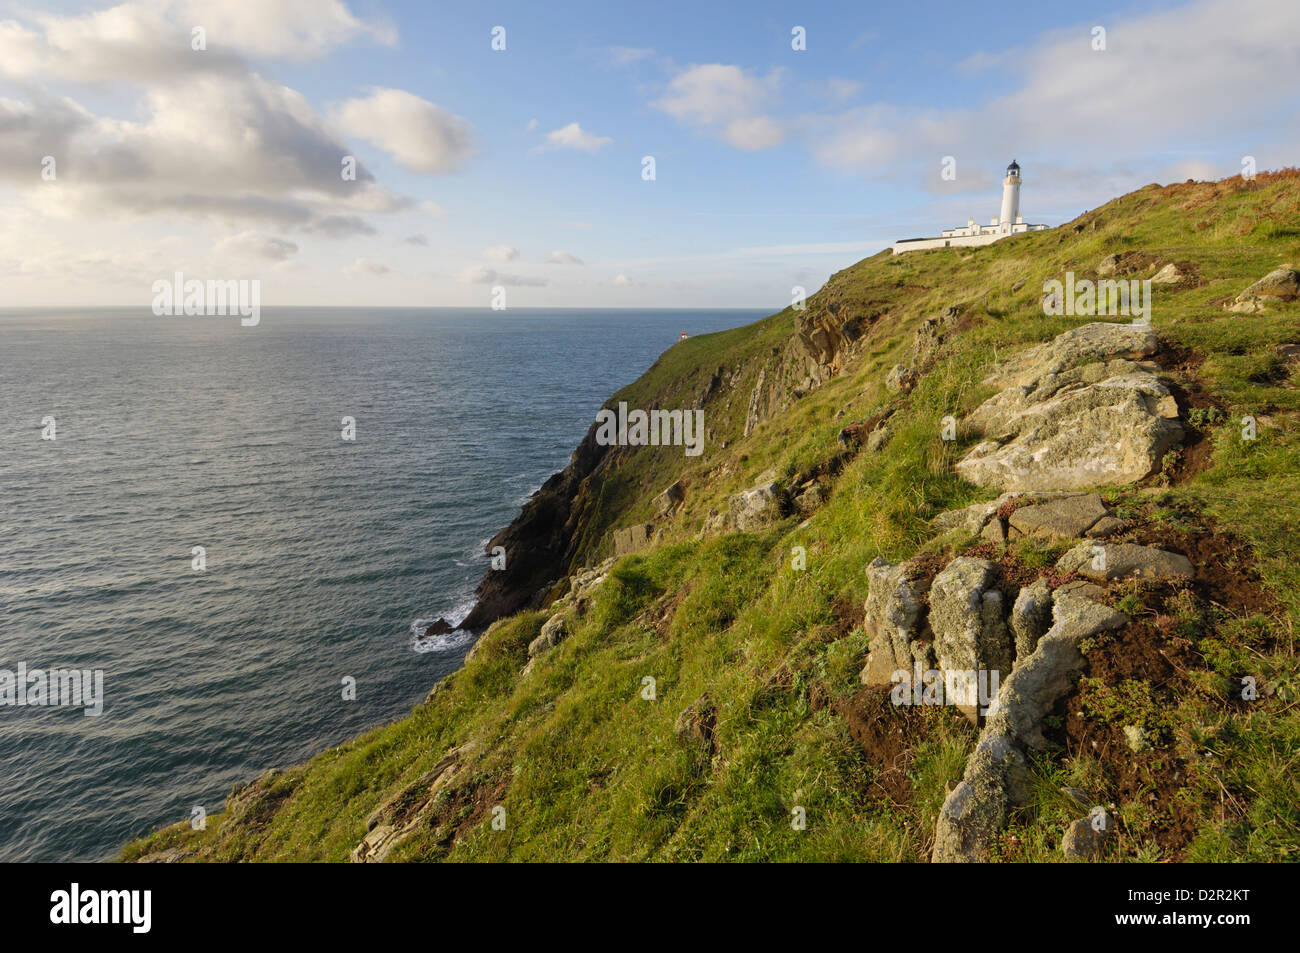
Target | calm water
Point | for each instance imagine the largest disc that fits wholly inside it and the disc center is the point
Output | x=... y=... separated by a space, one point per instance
x=322 y=555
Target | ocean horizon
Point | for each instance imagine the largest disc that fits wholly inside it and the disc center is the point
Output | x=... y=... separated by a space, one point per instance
x=322 y=558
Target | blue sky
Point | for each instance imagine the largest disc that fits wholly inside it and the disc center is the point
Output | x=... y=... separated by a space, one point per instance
x=522 y=168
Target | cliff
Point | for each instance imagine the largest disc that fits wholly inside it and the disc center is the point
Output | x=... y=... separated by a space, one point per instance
x=934 y=468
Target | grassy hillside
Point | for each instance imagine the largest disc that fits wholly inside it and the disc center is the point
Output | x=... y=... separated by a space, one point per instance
x=588 y=768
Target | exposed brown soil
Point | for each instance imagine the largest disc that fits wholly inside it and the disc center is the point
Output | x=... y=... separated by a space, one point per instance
x=1225 y=569
x=849 y=615
x=888 y=735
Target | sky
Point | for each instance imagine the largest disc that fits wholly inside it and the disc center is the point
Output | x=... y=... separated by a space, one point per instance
x=506 y=145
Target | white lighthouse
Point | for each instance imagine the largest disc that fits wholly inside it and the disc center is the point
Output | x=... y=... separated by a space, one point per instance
x=1010 y=196
x=1007 y=223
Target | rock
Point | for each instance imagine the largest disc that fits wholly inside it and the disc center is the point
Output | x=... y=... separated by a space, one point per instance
x=848 y=438
x=1108 y=266
x=890 y=617
x=877 y=439
x=1036 y=683
x=1031 y=616
x=1280 y=284
x=1168 y=275
x=994 y=778
x=956 y=611
x=440 y=627
x=698 y=722
x=975 y=809
x=553 y=633
x=995 y=531
x=410 y=809
x=968 y=621
x=996 y=652
x=668 y=500
x=811 y=498
x=1103 y=562
x=900 y=379
x=1083 y=588
x=971 y=518
x=1106 y=526
x=1020 y=283
x=632 y=538
x=1112 y=432
x=1098 y=341
x=1065 y=518
x=757 y=506
x=1136 y=737
x=1082 y=842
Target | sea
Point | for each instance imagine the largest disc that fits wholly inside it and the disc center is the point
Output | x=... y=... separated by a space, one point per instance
x=182 y=512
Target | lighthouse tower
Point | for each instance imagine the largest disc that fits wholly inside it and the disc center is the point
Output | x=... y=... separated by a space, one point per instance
x=1010 y=196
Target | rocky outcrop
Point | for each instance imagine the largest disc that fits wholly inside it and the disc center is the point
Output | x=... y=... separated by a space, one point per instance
x=901 y=379
x=757 y=506
x=994 y=779
x=1099 y=341
x=632 y=538
x=1074 y=428
x=1279 y=285
x=410 y=809
x=1168 y=275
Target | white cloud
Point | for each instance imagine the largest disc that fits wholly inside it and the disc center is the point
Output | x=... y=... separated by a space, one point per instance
x=622 y=281
x=727 y=99
x=365 y=266
x=532 y=125
x=420 y=240
x=294 y=29
x=421 y=136
x=252 y=244
x=562 y=258
x=501 y=253
x=754 y=133
x=573 y=136
x=482 y=275
x=147 y=42
x=1210 y=68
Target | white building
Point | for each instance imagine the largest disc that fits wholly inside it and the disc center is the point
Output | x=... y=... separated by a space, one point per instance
x=1008 y=222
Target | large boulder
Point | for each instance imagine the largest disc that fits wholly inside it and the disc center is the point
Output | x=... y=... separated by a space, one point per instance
x=1280 y=284
x=1074 y=438
x=1098 y=341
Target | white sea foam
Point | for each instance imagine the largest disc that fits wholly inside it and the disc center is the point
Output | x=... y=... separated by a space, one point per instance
x=448 y=642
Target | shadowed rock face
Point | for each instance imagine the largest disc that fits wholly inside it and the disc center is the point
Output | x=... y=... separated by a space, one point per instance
x=1074 y=428
x=540 y=543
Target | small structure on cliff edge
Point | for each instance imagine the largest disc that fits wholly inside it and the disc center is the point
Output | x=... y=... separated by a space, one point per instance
x=1008 y=222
